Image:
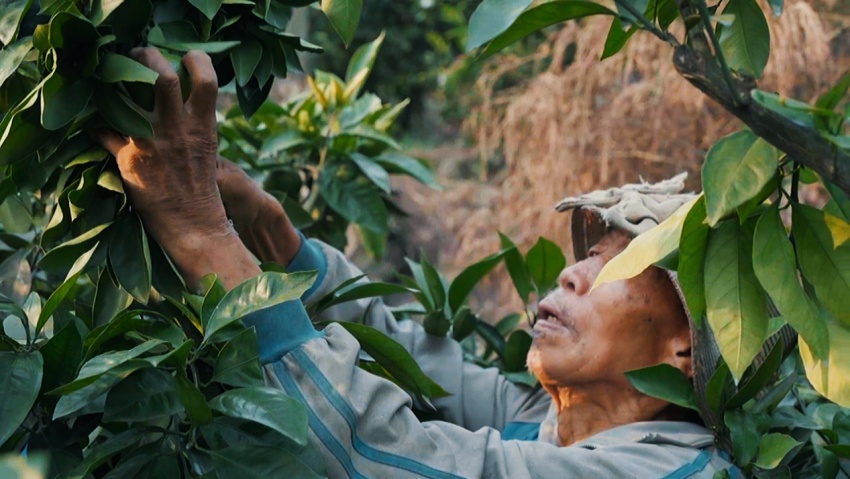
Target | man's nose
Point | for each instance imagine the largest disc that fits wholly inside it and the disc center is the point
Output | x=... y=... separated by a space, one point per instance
x=575 y=280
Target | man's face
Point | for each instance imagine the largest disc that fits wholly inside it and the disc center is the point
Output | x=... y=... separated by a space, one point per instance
x=584 y=339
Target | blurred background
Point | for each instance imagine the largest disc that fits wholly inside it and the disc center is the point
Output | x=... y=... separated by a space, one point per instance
x=511 y=135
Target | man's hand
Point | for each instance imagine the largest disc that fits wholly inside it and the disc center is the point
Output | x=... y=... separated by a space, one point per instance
x=258 y=217
x=170 y=179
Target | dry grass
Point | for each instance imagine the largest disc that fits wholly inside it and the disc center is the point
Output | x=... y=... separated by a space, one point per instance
x=597 y=124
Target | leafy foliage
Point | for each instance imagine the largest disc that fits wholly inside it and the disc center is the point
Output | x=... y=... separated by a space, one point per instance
x=327 y=154
x=732 y=247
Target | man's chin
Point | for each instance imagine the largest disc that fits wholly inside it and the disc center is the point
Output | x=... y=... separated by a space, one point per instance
x=534 y=362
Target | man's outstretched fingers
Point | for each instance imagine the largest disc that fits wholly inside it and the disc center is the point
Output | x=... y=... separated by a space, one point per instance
x=110 y=140
x=202 y=100
x=168 y=101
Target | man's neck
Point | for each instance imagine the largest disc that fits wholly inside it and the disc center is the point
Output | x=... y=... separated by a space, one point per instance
x=584 y=413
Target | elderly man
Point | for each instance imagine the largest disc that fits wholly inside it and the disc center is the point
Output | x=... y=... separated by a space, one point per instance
x=587 y=421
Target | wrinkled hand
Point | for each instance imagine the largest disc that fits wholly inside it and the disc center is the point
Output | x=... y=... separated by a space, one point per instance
x=258 y=217
x=170 y=179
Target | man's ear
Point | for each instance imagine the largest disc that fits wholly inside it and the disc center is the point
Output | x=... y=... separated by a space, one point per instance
x=679 y=353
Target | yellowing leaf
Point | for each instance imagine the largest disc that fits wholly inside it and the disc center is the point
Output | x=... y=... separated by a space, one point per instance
x=831 y=377
x=646 y=249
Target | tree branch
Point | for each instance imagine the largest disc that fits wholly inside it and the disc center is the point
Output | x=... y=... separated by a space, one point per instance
x=804 y=144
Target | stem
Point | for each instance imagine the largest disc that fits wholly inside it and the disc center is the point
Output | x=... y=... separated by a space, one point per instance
x=649 y=26
x=718 y=52
x=795 y=183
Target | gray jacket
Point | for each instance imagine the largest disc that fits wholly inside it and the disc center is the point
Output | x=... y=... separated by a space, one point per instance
x=364 y=426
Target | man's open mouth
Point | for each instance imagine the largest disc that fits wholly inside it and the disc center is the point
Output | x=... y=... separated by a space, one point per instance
x=545 y=312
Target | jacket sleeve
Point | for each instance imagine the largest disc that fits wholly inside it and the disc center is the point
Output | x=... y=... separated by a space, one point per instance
x=441 y=358
x=364 y=427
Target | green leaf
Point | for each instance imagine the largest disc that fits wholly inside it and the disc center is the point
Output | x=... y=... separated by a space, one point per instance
x=245 y=57
x=542 y=16
x=665 y=382
x=130 y=258
x=259 y=462
x=773 y=448
x=61 y=293
x=545 y=261
x=215 y=292
x=626 y=16
x=491 y=18
x=144 y=395
x=238 y=363
x=736 y=169
x=12 y=56
x=115 y=68
x=160 y=36
x=208 y=7
x=62 y=101
x=344 y=16
x=516 y=350
x=395 y=359
x=647 y=248
x=736 y=305
x=267 y=406
x=435 y=284
x=775 y=266
x=20 y=381
x=691 y=270
x=517 y=269
x=122 y=114
x=193 y=400
x=282 y=141
x=362 y=61
x=353 y=196
x=62 y=354
x=369 y=133
x=831 y=99
x=794 y=110
x=491 y=336
x=823 y=252
x=464 y=282
x=746 y=42
x=745 y=430
x=617 y=38
x=11 y=16
x=355 y=291
x=374 y=171
x=255 y=294
x=100 y=453
x=763 y=375
x=109 y=300
x=396 y=162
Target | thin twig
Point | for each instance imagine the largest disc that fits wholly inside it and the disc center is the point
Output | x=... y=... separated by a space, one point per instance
x=649 y=26
x=718 y=52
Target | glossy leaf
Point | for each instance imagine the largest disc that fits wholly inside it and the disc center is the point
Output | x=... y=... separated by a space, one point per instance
x=12 y=55
x=463 y=284
x=363 y=60
x=353 y=196
x=259 y=462
x=356 y=291
x=208 y=7
x=344 y=16
x=516 y=350
x=830 y=377
x=130 y=258
x=736 y=169
x=122 y=114
x=245 y=57
x=20 y=380
x=775 y=266
x=193 y=400
x=539 y=17
x=115 y=68
x=238 y=363
x=267 y=406
x=746 y=42
x=62 y=100
x=11 y=16
x=823 y=252
x=627 y=17
x=691 y=271
x=773 y=448
x=144 y=395
x=646 y=249
x=545 y=261
x=396 y=162
x=491 y=18
x=517 y=268
x=617 y=38
x=374 y=171
x=665 y=382
x=736 y=304
x=745 y=430
x=395 y=359
x=255 y=294
x=760 y=379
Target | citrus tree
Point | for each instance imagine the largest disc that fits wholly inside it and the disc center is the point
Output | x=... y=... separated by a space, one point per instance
x=750 y=255
x=109 y=365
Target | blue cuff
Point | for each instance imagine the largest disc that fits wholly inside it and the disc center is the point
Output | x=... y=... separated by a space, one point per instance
x=309 y=258
x=280 y=329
